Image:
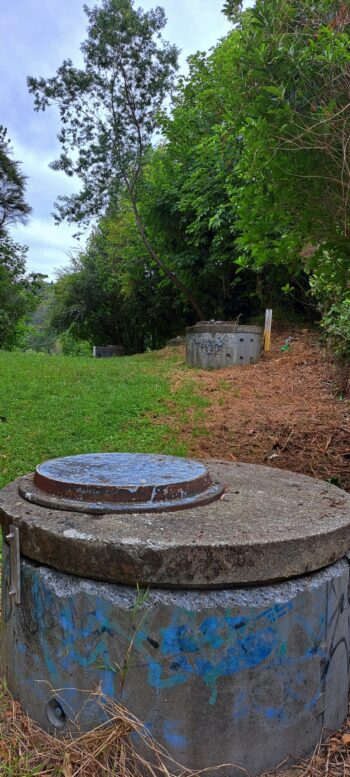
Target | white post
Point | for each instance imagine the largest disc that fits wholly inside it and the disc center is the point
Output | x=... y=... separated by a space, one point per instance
x=267 y=333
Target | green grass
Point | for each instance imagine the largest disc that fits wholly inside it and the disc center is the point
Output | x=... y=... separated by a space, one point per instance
x=58 y=406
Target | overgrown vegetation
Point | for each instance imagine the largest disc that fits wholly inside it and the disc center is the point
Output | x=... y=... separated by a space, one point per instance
x=291 y=62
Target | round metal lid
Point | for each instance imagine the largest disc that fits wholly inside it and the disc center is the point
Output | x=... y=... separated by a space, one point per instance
x=121 y=483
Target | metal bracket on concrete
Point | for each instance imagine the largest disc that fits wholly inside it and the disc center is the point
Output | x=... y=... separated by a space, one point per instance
x=15 y=564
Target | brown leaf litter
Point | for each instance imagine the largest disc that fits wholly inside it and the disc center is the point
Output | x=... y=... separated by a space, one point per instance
x=291 y=410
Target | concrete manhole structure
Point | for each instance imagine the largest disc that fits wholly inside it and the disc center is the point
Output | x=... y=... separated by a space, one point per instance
x=220 y=344
x=107 y=351
x=236 y=650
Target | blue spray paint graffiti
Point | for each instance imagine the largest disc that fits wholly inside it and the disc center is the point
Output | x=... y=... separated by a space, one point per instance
x=216 y=647
x=172 y=735
x=90 y=633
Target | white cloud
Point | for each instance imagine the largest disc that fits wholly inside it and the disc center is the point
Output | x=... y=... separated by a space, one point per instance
x=41 y=179
x=49 y=245
x=40 y=230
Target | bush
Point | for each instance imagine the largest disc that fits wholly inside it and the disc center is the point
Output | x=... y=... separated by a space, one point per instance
x=73 y=347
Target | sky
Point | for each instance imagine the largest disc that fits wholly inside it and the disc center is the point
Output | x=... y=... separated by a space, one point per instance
x=36 y=35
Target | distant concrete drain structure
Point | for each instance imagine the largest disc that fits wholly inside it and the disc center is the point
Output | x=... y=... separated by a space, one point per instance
x=107 y=351
x=240 y=646
x=220 y=344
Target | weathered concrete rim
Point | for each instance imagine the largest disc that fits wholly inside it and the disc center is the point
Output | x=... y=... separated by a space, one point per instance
x=271 y=525
x=223 y=328
x=274 y=593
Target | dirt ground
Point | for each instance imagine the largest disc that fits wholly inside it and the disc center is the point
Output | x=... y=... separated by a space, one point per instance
x=291 y=411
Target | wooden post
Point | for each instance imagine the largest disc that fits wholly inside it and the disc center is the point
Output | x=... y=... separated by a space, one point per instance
x=267 y=333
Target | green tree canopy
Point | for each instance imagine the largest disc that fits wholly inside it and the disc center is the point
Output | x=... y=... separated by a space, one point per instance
x=17 y=291
x=109 y=111
x=13 y=206
x=292 y=119
x=112 y=294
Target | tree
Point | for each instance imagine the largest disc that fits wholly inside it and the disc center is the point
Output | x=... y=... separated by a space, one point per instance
x=111 y=293
x=37 y=334
x=289 y=114
x=292 y=115
x=232 y=9
x=109 y=112
x=186 y=198
x=13 y=207
x=17 y=291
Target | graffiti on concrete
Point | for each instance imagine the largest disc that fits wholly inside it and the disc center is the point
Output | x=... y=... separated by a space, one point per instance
x=222 y=350
x=272 y=662
x=211 y=344
x=196 y=646
x=212 y=647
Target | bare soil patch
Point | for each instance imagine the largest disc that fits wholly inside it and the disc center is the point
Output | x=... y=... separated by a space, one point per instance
x=291 y=411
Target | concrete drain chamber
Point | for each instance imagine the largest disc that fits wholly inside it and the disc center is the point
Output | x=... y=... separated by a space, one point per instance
x=219 y=344
x=211 y=600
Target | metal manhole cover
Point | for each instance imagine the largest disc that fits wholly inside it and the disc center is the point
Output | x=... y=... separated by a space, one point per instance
x=121 y=482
